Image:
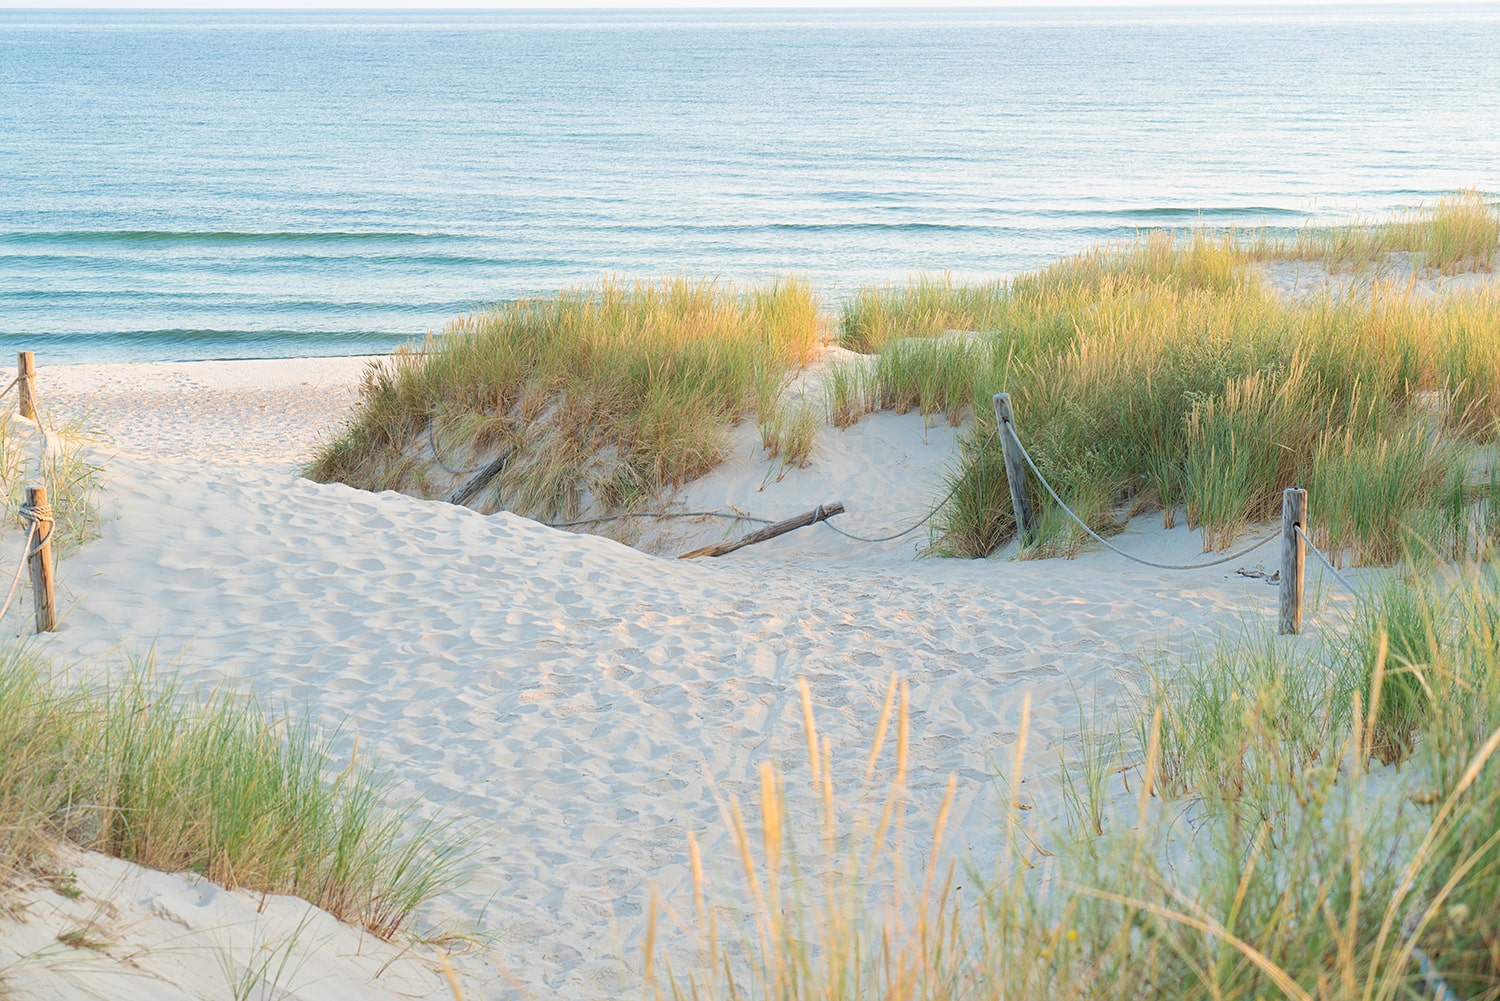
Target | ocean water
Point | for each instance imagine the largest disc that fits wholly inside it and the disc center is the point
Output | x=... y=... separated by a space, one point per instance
x=180 y=185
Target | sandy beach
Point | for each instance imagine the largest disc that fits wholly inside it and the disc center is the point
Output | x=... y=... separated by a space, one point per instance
x=380 y=674
x=268 y=414
x=581 y=704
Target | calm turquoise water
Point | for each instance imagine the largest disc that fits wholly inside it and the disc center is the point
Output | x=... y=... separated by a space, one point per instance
x=178 y=185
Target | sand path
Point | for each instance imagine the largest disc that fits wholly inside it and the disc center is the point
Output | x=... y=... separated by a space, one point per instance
x=580 y=700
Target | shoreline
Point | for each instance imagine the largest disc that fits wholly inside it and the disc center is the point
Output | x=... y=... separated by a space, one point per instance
x=266 y=413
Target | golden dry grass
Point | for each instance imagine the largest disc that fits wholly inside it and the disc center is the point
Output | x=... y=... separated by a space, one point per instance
x=603 y=395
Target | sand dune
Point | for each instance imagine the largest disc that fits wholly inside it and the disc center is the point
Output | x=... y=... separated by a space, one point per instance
x=583 y=703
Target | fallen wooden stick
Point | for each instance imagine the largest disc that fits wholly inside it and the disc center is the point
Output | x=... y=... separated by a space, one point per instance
x=476 y=482
x=812 y=517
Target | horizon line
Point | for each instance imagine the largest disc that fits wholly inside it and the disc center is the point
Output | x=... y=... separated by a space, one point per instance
x=357 y=6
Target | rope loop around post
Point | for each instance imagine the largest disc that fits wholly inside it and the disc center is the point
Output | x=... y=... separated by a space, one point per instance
x=38 y=514
x=39 y=518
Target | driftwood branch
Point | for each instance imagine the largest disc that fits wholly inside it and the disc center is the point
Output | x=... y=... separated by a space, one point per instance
x=812 y=517
x=476 y=483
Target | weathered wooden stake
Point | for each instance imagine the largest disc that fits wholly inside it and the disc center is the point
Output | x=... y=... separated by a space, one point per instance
x=41 y=559
x=1293 y=559
x=26 y=385
x=1015 y=470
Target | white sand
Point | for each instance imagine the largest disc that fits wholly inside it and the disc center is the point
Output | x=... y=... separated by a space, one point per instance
x=1300 y=280
x=261 y=413
x=581 y=701
x=137 y=935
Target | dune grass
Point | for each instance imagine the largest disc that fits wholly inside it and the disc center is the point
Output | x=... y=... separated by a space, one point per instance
x=1162 y=373
x=603 y=395
x=1250 y=846
x=787 y=431
x=143 y=770
x=850 y=391
x=1460 y=233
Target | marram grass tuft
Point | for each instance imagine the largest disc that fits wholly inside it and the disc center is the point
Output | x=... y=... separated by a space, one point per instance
x=601 y=394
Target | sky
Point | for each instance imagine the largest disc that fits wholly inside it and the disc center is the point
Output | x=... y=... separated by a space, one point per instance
x=676 y=4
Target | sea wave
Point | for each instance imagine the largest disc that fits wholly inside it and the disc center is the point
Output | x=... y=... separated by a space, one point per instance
x=139 y=237
x=200 y=344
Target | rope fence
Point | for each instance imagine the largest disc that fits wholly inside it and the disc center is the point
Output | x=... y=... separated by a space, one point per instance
x=1292 y=533
x=38 y=557
x=432 y=444
x=1331 y=568
x=15 y=581
x=1219 y=561
x=822 y=513
x=1018 y=463
x=903 y=532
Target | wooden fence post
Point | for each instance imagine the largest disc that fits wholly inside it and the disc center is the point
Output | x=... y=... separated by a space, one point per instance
x=41 y=559
x=26 y=385
x=1015 y=470
x=1293 y=559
